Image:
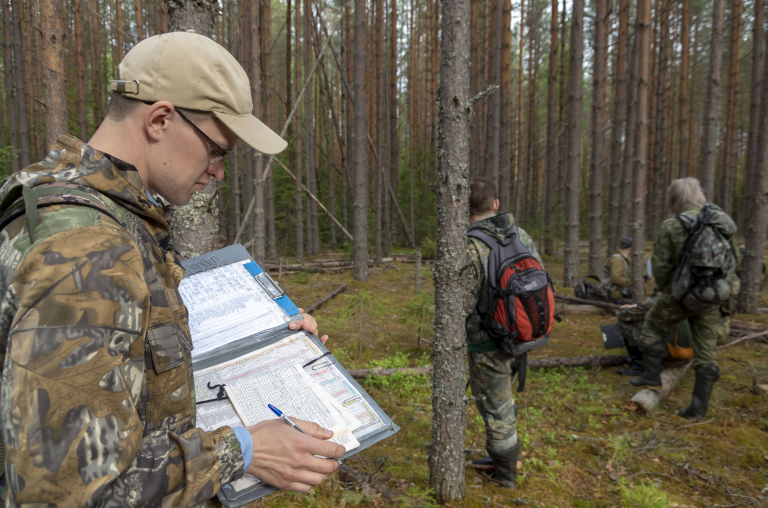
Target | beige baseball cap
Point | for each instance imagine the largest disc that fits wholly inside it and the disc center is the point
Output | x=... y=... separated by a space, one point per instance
x=193 y=72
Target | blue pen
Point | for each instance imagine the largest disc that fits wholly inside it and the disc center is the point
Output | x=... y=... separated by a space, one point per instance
x=292 y=424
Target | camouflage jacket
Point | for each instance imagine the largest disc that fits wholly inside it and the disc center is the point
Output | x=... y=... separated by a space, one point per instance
x=97 y=401
x=668 y=251
x=498 y=226
x=616 y=276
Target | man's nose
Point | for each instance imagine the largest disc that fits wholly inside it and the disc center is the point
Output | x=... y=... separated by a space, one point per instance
x=216 y=170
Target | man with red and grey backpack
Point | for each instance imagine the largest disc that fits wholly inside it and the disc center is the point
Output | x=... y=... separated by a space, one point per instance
x=510 y=303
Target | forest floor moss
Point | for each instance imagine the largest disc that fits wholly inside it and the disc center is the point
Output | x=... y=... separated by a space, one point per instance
x=581 y=446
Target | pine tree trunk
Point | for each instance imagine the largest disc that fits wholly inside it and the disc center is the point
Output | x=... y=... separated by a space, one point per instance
x=140 y=23
x=446 y=460
x=10 y=89
x=474 y=88
x=753 y=150
x=757 y=212
x=56 y=123
x=692 y=126
x=529 y=210
x=268 y=101
x=505 y=120
x=730 y=155
x=21 y=93
x=360 y=140
x=641 y=146
x=259 y=215
x=299 y=136
x=626 y=210
x=94 y=29
x=82 y=114
x=563 y=129
x=551 y=171
x=621 y=71
x=313 y=235
x=394 y=144
x=494 y=103
x=521 y=151
x=571 y=257
x=119 y=27
x=657 y=194
x=598 y=138
x=712 y=104
x=682 y=131
x=194 y=226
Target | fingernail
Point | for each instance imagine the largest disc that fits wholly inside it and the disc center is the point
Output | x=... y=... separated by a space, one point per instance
x=327 y=432
x=292 y=326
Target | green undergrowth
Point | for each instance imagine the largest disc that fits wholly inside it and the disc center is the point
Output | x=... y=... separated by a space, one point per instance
x=582 y=445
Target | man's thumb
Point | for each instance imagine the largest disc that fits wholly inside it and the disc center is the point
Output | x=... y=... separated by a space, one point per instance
x=314 y=429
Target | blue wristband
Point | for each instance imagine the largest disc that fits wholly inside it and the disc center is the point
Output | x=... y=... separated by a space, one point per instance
x=246 y=445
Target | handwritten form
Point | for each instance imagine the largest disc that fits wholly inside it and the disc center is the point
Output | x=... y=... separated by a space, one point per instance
x=274 y=372
x=226 y=304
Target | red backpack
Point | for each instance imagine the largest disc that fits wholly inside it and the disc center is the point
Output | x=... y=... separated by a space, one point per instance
x=520 y=309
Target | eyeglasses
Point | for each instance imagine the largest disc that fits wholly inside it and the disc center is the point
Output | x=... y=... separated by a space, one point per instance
x=219 y=151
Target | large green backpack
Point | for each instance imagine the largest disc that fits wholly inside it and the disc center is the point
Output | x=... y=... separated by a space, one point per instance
x=704 y=280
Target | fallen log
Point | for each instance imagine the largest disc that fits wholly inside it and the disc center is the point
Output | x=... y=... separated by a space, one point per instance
x=325 y=300
x=747 y=325
x=742 y=339
x=645 y=401
x=567 y=308
x=581 y=301
x=533 y=363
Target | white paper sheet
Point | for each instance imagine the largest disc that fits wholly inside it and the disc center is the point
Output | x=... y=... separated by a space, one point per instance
x=226 y=304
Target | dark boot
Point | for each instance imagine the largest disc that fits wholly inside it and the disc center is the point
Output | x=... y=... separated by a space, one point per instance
x=506 y=468
x=706 y=377
x=651 y=376
x=635 y=362
x=485 y=461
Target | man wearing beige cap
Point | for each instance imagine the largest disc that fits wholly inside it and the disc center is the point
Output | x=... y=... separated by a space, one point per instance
x=96 y=404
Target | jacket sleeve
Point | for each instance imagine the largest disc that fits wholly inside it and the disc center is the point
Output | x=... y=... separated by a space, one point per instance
x=616 y=267
x=662 y=261
x=73 y=369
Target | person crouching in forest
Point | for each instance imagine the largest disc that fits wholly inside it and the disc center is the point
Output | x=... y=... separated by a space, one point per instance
x=616 y=279
x=491 y=371
x=694 y=265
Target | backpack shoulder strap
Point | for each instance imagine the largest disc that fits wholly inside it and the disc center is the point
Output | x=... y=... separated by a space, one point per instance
x=59 y=193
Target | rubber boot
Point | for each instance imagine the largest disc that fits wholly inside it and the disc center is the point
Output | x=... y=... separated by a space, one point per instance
x=635 y=362
x=651 y=376
x=706 y=377
x=505 y=473
x=485 y=461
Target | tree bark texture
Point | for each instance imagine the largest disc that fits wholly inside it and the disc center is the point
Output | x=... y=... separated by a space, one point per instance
x=505 y=102
x=571 y=257
x=446 y=462
x=21 y=93
x=598 y=138
x=682 y=131
x=551 y=156
x=360 y=143
x=621 y=71
x=80 y=58
x=54 y=77
x=194 y=226
x=394 y=143
x=656 y=193
x=641 y=146
x=730 y=155
x=752 y=163
x=712 y=102
x=299 y=136
x=757 y=214
x=10 y=89
x=313 y=234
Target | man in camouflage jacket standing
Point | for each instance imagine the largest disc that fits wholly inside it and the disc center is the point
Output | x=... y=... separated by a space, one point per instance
x=97 y=405
x=685 y=197
x=491 y=371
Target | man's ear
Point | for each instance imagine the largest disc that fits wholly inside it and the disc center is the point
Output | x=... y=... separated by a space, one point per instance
x=495 y=207
x=156 y=119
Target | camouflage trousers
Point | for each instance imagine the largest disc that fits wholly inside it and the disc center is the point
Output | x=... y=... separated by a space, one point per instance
x=705 y=329
x=491 y=375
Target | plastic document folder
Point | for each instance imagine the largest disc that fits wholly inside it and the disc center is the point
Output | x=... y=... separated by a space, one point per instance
x=246 y=357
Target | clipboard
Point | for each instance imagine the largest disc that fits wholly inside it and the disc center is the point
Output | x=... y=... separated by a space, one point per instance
x=228 y=496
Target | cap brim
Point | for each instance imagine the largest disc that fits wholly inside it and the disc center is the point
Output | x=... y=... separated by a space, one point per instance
x=253 y=132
